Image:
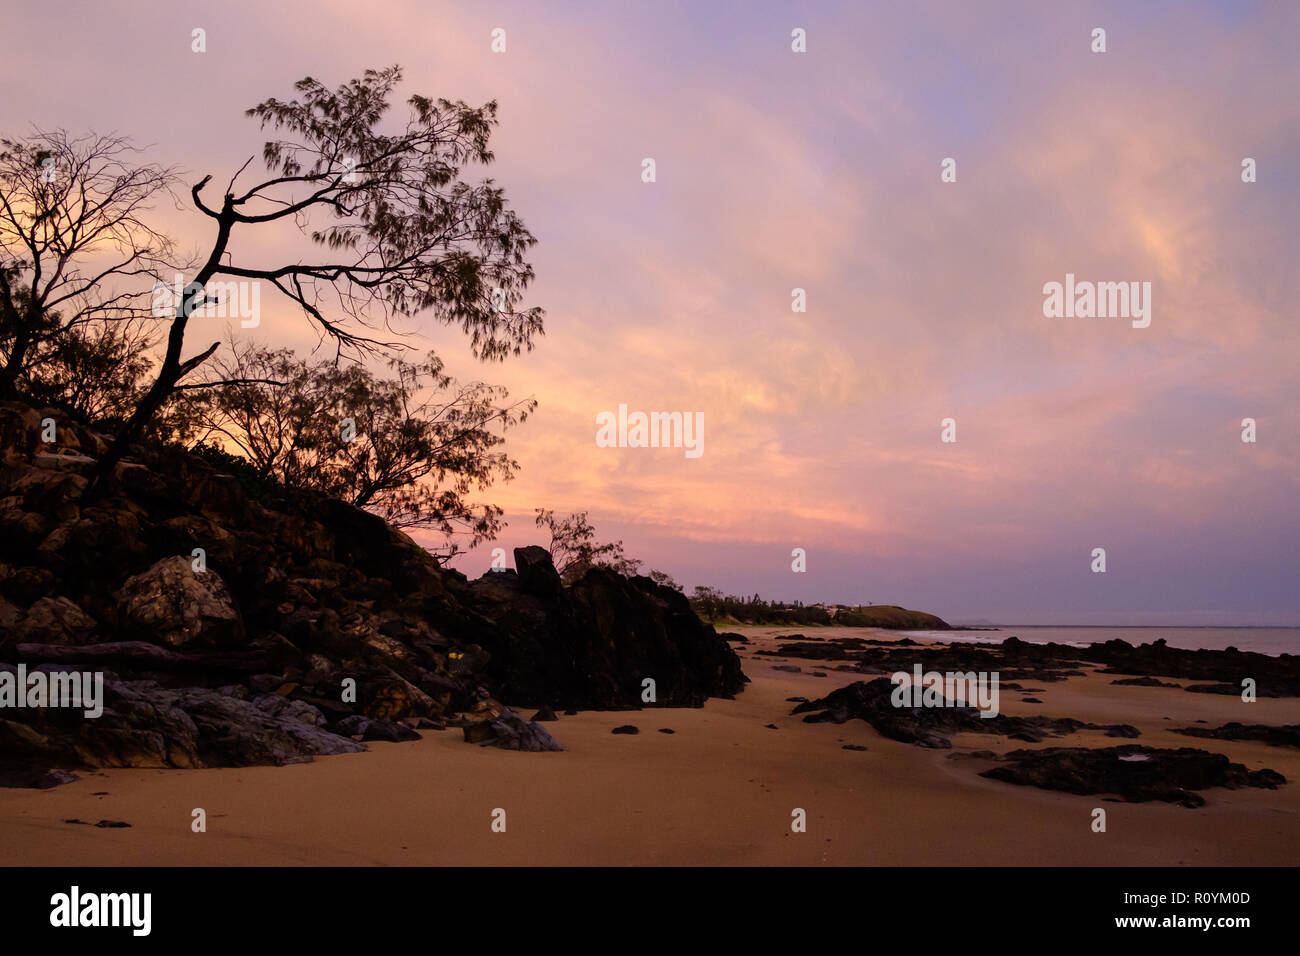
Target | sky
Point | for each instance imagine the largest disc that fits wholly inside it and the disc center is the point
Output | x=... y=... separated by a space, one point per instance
x=820 y=171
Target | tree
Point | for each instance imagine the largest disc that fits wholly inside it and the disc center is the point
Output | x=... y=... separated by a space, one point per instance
x=663 y=579
x=410 y=449
x=706 y=601
x=76 y=253
x=93 y=371
x=574 y=549
x=399 y=231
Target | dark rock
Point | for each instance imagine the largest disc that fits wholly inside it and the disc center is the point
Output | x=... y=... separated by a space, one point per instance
x=929 y=726
x=509 y=731
x=1123 y=730
x=537 y=574
x=592 y=644
x=545 y=714
x=853 y=747
x=393 y=731
x=34 y=778
x=1133 y=772
x=1284 y=736
x=251 y=661
x=1030 y=700
x=626 y=729
x=1144 y=682
x=666 y=730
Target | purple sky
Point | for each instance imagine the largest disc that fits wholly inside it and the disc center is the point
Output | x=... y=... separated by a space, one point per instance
x=820 y=171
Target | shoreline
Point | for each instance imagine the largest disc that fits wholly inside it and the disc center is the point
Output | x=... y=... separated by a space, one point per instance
x=718 y=791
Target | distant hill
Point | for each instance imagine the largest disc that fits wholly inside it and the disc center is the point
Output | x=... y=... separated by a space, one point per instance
x=890 y=616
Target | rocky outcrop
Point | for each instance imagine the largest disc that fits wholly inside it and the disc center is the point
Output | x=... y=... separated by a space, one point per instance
x=594 y=644
x=1018 y=660
x=147 y=725
x=930 y=726
x=302 y=624
x=1131 y=772
x=1284 y=736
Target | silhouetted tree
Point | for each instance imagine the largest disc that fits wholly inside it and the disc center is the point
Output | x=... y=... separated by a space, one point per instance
x=664 y=579
x=574 y=548
x=410 y=449
x=399 y=231
x=77 y=255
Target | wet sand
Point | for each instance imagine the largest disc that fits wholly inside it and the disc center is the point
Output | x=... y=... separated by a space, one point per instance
x=720 y=790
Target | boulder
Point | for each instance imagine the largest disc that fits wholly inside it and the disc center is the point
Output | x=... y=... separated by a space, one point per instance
x=54 y=620
x=537 y=574
x=182 y=607
x=509 y=731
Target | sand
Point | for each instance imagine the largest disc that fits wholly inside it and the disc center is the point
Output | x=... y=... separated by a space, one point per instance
x=720 y=790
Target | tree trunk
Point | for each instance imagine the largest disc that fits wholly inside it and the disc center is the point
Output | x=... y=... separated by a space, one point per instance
x=172 y=370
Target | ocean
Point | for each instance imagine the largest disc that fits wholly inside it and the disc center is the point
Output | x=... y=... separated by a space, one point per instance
x=1262 y=640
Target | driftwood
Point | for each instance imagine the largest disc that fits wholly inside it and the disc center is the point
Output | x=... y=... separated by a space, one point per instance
x=141 y=653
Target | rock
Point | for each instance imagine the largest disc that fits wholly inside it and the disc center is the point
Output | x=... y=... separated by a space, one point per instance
x=1284 y=736
x=537 y=574
x=1123 y=730
x=34 y=778
x=666 y=730
x=1144 y=682
x=509 y=731
x=545 y=714
x=792 y=668
x=1030 y=700
x=102 y=824
x=591 y=645
x=353 y=725
x=147 y=725
x=173 y=603
x=393 y=731
x=626 y=729
x=54 y=620
x=1134 y=773
x=853 y=747
x=303 y=599
x=872 y=702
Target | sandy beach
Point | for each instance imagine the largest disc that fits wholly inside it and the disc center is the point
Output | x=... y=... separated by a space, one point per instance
x=719 y=790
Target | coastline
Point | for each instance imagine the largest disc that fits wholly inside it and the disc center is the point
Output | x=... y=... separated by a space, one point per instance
x=718 y=791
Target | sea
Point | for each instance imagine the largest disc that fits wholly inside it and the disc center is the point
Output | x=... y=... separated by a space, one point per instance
x=1261 y=640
